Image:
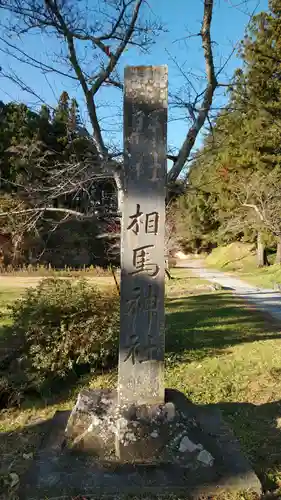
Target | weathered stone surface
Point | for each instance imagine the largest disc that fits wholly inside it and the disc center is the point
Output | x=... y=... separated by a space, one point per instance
x=58 y=472
x=144 y=433
x=206 y=458
x=141 y=350
x=93 y=424
x=148 y=435
x=187 y=445
x=170 y=411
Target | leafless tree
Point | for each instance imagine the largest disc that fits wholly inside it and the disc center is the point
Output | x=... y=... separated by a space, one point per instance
x=258 y=198
x=90 y=39
x=202 y=101
x=103 y=31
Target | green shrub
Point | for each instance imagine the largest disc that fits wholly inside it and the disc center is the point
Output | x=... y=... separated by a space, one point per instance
x=13 y=387
x=65 y=325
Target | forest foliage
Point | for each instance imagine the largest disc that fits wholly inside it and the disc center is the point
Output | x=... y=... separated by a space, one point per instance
x=41 y=156
x=233 y=186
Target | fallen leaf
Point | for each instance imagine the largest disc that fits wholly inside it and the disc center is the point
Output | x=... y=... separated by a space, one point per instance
x=27 y=456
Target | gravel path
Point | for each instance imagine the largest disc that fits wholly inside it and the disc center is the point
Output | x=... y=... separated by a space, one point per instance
x=265 y=299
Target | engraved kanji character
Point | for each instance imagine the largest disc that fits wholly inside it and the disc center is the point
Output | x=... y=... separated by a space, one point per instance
x=151 y=306
x=134 y=138
x=155 y=176
x=133 y=304
x=133 y=348
x=138 y=118
x=135 y=224
x=147 y=350
x=151 y=223
x=151 y=300
x=142 y=262
x=156 y=166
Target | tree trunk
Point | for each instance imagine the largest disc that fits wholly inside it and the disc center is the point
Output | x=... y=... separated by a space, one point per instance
x=278 y=252
x=261 y=252
x=120 y=191
x=199 y=120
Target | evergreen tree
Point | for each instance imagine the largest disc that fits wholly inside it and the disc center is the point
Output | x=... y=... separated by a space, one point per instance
x=61 y=113
x=74 y=116
x=239 y=165
x=61 y=120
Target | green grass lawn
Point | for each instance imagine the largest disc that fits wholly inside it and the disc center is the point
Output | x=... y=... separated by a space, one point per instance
x=239 y=259
x=230 y=357
x=265 y=277
x=218 y=352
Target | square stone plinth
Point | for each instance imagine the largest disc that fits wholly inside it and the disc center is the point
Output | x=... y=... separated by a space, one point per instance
x=203 y=456
x=143 y=433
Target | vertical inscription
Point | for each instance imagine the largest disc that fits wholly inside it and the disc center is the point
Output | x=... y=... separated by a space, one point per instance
x=141 y=349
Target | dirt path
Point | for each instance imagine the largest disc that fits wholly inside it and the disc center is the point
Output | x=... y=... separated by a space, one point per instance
x=265 y=299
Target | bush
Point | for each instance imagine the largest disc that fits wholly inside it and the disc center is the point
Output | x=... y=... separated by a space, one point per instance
x=65 y=325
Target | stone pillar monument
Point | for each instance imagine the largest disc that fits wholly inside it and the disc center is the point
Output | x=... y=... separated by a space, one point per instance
x=140 y=438
x=141 y=349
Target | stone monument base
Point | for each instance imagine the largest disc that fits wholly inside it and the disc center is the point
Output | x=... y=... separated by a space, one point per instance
x=130 y=433
x=101 y=449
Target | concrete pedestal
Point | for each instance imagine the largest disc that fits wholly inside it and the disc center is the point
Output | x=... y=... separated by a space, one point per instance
x=198 y=456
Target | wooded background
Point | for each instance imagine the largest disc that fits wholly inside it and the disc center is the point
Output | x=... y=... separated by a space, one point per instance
x=62 y=181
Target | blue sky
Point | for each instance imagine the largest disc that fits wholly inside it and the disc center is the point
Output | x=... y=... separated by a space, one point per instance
x=180 y=17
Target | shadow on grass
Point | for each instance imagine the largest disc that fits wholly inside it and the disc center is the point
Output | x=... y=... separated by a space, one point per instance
x=258 y=430
x=16 y=452
x=205 y=325
x=196 y=327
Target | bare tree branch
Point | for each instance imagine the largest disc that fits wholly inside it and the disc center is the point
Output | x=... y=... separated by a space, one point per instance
x=254 y=207
x=114 y=58
x=121 y=28
x=31 y=61
x=208 y=94
x=43 y=209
